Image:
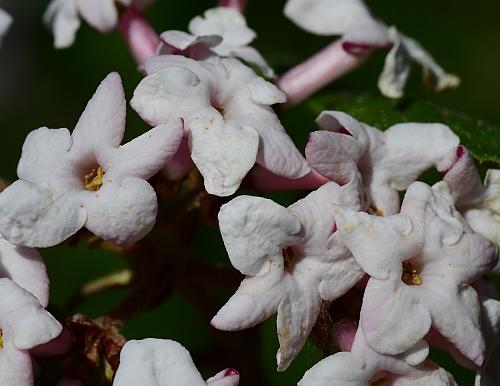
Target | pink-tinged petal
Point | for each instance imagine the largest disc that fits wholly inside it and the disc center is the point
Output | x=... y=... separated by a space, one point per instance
x=254 y=231
x=484 y=222
x=339 y=122
x=297 y=314
x=102 y=125
x=363 y=234
x=256 y=299
x=43 y=218
x=45 y=159
x=333 y=155
x=463 y=178
x=181 y=163
x=261 y=91
x=16 y=368
x=26 y=268
x=340 y=369
x=227 y=377
x=145 y=155
x=337 y=17
x=264 y=180
x=63 y=18
x=223 y=153
x=100 y=14
x=489 y=374
x=455 y=314
x=393 y=317
x=22 y=319
x=156 y=362
x=122 y=212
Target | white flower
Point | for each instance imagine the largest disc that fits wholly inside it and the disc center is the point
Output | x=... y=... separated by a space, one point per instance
x=157 y=362
x=479 y=204
x=24 y=325
x=221 y=31
x=293 y=259
x=63 y=16
x=86 y=178
x=5 y=22
x=363 y=366
x=421 y=264
x=227 y=118
x=388 y=161
x=361 y=33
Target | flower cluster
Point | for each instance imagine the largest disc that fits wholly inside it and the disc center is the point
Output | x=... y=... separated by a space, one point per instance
x=420 y=263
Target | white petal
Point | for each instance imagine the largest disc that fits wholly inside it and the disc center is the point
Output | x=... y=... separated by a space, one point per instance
x=297 y=314
x=256 y=299
x=5 y=23
x=226 y=22
x=156 y=362
x=22 y=318
x=45 y=159
x=393 y=316
x=455 y=314
x=224 y=152
x=42 y=218
x=26 y=268
x=102 y=125
x=253 y=57
x=100 y=14
x=145 y=155
x=122 y=212
x=62 y=16
x=181 y=40
x=255 y=230
x=337 y=17
x=15 y=366
x=340 y=369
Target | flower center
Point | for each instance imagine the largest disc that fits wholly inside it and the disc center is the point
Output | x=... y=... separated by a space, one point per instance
x=1 y=339
x=410 y=275
x=288 y=257
x=93 y=180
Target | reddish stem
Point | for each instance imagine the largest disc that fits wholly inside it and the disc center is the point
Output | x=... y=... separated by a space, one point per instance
x=141 y=38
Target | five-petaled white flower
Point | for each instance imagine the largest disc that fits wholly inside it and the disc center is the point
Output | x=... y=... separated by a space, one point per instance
x=220 y=31
x=362 y=33
x=63 y=16
x=388 y=161
x=86 y=178
x=421 y=263
x=161 y=362
x=363 y=366
x=293 y=258
x=479 y=204
x=227 y=118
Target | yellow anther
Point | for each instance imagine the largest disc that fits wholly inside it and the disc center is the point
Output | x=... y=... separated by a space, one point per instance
x=410 y=275
x=1 y=339
x=288 y=257
x=93 y=180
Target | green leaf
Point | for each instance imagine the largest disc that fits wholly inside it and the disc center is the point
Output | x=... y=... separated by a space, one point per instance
x=481 y=138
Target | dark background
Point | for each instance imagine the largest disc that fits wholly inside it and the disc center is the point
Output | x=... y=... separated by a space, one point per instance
x=40 y=86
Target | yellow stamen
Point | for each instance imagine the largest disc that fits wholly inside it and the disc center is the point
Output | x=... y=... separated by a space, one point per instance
x=410 y=275
x=1 y=339
x=93 y=180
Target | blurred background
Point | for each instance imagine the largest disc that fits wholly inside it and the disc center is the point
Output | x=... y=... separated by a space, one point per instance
x=40 y=86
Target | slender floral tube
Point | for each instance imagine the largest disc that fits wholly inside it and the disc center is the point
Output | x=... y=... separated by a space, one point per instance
x=240 y=5
x=140 y=36
x=329 y=64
